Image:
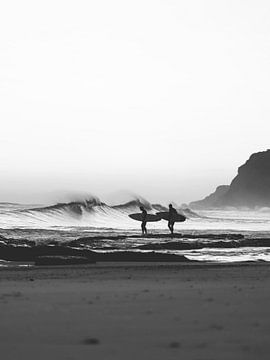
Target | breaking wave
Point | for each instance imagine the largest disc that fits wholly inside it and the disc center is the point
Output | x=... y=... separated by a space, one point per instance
x=91 y=212
x=94 y=214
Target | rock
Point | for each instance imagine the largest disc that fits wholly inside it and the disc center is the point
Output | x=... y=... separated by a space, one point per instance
x=27 y=253
x=16 y=253
x=62 y=260
x=250 y=188
x=171 y=245
x=141 y=257
x=59 y=253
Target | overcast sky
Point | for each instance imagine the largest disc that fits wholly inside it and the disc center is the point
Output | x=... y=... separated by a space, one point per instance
x=164 y=98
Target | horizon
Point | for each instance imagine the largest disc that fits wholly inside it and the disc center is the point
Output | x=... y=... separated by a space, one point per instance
x=110 y=197
x=166 y=99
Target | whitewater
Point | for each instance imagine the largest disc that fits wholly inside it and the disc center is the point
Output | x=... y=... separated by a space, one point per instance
x=109 y=225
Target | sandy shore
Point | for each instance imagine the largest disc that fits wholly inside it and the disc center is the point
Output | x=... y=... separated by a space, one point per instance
x=135 y=311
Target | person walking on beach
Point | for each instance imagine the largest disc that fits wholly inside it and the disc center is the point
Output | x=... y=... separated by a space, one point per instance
x=143 y=225
x=172 y=215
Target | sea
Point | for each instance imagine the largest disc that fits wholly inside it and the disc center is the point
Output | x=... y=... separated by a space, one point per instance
x=109 y=228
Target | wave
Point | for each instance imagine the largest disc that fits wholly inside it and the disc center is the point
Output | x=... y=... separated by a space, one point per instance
x=73 y=207
x=89 y=212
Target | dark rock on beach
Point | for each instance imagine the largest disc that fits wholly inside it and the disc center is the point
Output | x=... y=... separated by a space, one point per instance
x=62 y=260
x=141 y=257
x=56 y=255
x=171 y=245
x=27 y=253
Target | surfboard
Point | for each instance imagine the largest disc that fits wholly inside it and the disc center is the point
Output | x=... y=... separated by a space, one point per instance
x=177 y=218
x=149 y=217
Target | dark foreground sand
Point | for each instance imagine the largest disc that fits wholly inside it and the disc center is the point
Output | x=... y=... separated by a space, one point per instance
x=136 y=311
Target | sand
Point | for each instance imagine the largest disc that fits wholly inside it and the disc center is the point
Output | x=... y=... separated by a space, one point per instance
x=135 y=311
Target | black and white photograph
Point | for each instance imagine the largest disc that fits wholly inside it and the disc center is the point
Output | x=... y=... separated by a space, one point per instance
x=134 y=180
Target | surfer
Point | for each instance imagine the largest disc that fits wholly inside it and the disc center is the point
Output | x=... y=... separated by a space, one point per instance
x=172 y=215
x=143 y=225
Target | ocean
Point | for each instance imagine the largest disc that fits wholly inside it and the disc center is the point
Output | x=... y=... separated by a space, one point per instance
x=208 y=235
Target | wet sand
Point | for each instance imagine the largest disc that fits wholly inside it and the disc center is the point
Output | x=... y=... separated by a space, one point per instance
x=135 y=311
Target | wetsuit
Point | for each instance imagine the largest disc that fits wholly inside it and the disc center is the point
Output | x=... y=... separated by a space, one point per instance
x=172 y=214
x=143 y=226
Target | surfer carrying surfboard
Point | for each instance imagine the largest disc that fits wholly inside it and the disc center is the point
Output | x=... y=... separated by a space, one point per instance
x=172 y=215
x=143 y=225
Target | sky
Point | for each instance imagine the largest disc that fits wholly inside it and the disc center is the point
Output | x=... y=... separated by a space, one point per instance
x=163 y=98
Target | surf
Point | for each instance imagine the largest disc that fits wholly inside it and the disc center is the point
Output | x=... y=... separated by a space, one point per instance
x=91 y=212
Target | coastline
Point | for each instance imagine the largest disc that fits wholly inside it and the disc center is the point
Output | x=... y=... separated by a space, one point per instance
x=135 y=311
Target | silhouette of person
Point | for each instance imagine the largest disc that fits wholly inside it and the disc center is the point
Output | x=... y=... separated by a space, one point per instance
x=143 y=225
x=172 y=213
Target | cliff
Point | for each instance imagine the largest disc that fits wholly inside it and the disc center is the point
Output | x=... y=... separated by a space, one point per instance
x=250 y=188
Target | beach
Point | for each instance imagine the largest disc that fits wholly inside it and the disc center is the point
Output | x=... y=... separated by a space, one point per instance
x=135 y=311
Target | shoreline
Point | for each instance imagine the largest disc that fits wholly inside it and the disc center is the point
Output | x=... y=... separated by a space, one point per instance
x=192 y=265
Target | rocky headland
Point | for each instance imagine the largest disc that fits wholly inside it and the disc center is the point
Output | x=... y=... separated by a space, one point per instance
x=250 y=188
